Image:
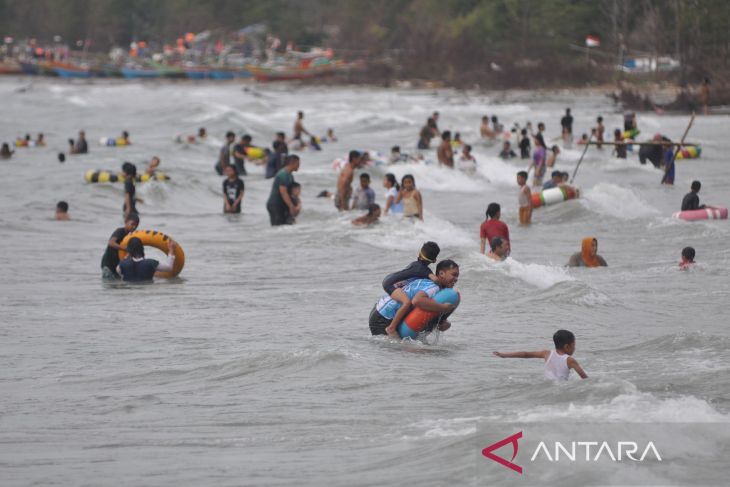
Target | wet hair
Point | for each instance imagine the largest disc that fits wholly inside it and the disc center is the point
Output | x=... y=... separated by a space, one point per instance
x=230 y=134
x=688 y=253
x=599 y=119
x=129 y=169
x=567 y=110
x=295 y=185
x=408 y=176
x=696 y=185
x=467 y=147
x=132 y=217
x=365 y=176
x=372 y=208
x=291 y=159
x=565 y=175
x=234 y=168
x=494 y=118
x=281 y=134
x=538 y=138
x=446 y=134
x=556 y=174
x=246 y=138
x=61 y=155
x=201 y=131
x=135 y=247
x=493 y=209
x=391 y=179
x=457 y=136
x=300 y=114
x=353 y=155
x=495 y=243
x=523 y=131
x=555 y=149
x=485 y=118
x=431 y=122
x=429 y=252
x=561 y=338
x=125 y=134
x=323 y=194
x=540 y=126
x=62 y=206
x=395 y=148
x=617 y=133
x=522 y=174
x=445 y=265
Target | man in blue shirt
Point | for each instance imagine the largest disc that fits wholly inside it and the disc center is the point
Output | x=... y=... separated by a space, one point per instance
x=421 y=293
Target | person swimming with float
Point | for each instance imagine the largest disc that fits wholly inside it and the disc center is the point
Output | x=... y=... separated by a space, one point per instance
x=136 y=268
x=420 y=292
x=418 y=269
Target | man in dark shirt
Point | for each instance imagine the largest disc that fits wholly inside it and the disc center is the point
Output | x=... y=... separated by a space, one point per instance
x=110 y=260
x=135 y=268
x=80 y=146
x=233 y=188
x=691 y=200
x=279 y=204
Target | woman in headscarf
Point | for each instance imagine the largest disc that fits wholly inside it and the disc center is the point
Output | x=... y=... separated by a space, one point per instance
x=588 y=255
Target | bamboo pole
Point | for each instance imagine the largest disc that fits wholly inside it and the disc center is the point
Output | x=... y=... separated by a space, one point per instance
x=581 y=159
x=681 y=142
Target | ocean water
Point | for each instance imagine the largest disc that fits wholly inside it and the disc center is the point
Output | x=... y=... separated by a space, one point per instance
x=255 y=366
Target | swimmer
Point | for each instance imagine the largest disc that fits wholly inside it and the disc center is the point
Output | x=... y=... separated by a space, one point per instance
x=391 y=193
x=524 y=198
x=619 y=148
x=426 y=134
x=583 y=139
x=485 y=132
x=457 y=140
x=130 y=200
x=553 y=156
x=299 y=130
x=559 y=362
x=410 y=197
x=314 y=143
x=467 y=162
x=240 y=155
x=507 y=152
x=224 y=155
x=5 y=152
x=331 y=136
x=600 y=129
x=567 y=127
x=524 y=145
x=556 y=179
x=233 y=189
x=688 y=259
x=344 y=181
x=499 y=249
x=62 y=211
x=394 y=283
x=588 y=255
x=492 y=227
x=80 y=146
x=325 y=194
x=538 y=161
x=691 y=200
x=395 y=155
x=135 y=268
x=110 y=260
x=444 y=152
x=370 y=217
x=40 y=141
x=154 y=164
x=125 y=138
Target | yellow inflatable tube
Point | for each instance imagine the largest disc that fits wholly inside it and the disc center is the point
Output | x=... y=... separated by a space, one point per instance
x=96 y=176
x=160 y=241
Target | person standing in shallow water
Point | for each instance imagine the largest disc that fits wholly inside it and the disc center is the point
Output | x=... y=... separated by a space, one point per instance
x=410 y=197
x=344 y=181
x=110 y=260
x=445 y=153
x=233 y=189
x=588 y=255
x=280 y=205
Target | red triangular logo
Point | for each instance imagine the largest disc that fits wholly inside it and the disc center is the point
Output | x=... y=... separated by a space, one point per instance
x=487 y=452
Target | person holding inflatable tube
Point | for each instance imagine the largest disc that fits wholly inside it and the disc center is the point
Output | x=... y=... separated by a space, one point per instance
x=136 y=268
x=420 y=292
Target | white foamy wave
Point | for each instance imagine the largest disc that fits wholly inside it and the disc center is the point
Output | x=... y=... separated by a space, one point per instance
x=538 y=275
x=634 y=407
x=435 y=178
x=396 y=233
x=612 y=200
x=496 y=170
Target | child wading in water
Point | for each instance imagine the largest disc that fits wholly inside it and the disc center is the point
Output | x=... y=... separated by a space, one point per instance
x=558 y=362
x=418 y=269
x=524 y=198
x=410 y=197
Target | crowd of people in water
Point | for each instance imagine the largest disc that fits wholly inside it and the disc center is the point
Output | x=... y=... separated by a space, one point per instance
x=416 y=285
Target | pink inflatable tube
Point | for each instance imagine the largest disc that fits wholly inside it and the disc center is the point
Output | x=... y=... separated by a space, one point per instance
x=713 y=213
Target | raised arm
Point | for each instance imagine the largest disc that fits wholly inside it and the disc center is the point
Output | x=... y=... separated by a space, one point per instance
x=543 y=354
